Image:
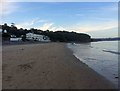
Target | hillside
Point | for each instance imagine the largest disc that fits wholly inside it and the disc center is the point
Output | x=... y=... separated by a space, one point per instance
x=57 y=36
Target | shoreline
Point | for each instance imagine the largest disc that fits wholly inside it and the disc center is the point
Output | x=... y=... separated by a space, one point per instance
x=95 y=63
x=49 y=66
x=70 y=51
x=114 y=84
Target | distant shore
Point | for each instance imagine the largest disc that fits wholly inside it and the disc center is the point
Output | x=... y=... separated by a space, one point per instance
x=47 y=66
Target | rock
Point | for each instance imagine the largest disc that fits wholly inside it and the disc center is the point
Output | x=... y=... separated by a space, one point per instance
x=116 y=77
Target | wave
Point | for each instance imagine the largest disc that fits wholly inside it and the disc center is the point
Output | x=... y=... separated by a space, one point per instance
x=112 y=52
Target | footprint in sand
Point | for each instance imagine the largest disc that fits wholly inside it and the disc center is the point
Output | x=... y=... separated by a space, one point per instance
x=8 y=78
x=21 y=49
x=25 y=67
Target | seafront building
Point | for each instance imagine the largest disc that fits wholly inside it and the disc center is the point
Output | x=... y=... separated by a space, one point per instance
x=37 y=37
x=32 y=37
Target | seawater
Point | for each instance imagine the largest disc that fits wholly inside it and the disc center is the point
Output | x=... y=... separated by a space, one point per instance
x=100 y=56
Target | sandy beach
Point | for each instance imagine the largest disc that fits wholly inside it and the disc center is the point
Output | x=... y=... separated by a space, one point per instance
x=47 y=66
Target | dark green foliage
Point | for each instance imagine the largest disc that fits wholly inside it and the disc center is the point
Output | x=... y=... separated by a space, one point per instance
x=64 y=36
x=58 y=36
x=5 y=36
x=23 y=37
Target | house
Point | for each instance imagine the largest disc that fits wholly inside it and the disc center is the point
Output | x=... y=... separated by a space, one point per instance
x=15 y=39
x=37 y=37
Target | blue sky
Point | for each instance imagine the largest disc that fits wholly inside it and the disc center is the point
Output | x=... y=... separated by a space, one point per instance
x=99 y=19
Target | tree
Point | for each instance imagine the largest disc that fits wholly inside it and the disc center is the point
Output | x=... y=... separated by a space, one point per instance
x=47 y=31
x=5 y=27
x=62 y=36
x=12 y=24
x=23 y=37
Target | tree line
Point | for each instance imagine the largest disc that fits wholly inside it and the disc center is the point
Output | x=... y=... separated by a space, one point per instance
x=61 y=36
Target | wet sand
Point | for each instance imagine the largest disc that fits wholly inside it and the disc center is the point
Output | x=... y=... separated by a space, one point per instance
x=47 y=66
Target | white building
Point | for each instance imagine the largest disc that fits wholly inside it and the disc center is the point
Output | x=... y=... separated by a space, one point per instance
x=37 y=37
x=15 y=39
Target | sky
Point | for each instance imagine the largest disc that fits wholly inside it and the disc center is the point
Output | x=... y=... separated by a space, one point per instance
x=98 y=19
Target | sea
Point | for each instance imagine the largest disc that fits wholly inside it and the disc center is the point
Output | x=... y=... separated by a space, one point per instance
x=100 y=56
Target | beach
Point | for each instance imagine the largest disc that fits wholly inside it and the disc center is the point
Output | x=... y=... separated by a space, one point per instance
x=47 y=66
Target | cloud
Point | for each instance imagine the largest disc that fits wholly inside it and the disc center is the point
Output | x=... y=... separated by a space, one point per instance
x=104 y=33
x=46 y=26
x=51 y=27
x=57 y=28
x=7 y=8
x=80 y=28
x=93 y=26
x=30 y=23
